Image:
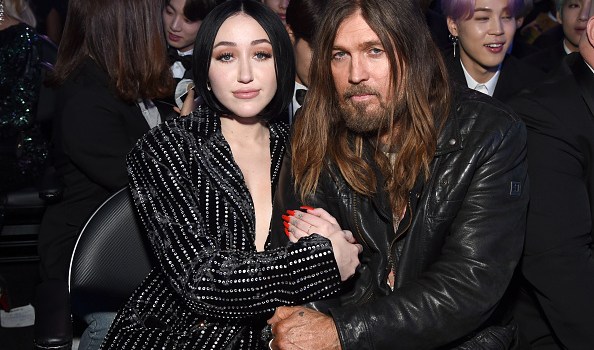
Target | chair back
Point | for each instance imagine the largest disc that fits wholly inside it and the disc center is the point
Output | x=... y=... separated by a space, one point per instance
x=110 y=258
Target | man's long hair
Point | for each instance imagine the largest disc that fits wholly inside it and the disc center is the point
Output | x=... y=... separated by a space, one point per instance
x=419 y=104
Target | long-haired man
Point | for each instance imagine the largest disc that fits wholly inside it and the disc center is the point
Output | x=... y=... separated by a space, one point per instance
x=430 y=178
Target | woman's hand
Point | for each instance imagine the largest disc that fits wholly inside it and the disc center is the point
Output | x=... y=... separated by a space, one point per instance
x=303 y=223
x=299 y=224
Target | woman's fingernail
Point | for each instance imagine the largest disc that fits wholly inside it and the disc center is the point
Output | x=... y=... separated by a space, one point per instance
x=285 y=224
x=286 y=218
x=287 y=232
x=306 y=207
x=291 y=212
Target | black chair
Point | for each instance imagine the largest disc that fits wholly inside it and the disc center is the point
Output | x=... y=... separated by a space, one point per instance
x=110 y=258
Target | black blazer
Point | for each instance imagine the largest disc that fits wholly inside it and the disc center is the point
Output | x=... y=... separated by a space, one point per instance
x=515 y=75
x=547 y=59
x=558 y=259
x=93 y=133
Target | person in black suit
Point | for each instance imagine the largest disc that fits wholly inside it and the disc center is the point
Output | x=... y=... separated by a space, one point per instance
x=105 y=83
x=556 y=308
x=181 y=21
x=573 y=15
x=482 y=32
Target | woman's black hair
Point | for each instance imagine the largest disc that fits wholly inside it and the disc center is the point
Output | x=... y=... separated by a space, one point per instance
x=282 y=51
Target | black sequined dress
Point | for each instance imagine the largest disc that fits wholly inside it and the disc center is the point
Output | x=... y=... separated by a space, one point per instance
x=23 y=149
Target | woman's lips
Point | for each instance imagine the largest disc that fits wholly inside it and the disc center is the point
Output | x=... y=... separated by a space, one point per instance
x=246 y=94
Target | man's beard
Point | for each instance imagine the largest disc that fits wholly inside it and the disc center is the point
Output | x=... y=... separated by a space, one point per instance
x=356 y=115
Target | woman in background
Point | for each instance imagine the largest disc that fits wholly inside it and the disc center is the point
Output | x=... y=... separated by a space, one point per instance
x=111 y=64
x=23 y=148
x=203 y=187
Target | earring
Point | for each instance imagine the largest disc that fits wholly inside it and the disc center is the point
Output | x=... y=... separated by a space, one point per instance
x=208 y=86
x=454 y=40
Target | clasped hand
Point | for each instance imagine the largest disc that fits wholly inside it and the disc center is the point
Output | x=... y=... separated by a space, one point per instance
x=346 y=250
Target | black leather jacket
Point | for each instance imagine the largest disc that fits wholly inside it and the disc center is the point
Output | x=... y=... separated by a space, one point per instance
x=463 y=237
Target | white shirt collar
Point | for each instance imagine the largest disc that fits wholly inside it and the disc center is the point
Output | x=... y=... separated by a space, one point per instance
x=567 y=50
x=490 y=85
x=589 y=66
x=186 y=53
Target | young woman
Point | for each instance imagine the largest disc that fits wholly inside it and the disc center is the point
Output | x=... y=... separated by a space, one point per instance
x=111 y=63
x=482 y=32
x=203 y=188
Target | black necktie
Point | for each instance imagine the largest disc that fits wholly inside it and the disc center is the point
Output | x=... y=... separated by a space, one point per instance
x=300 y=96
x=174 y=56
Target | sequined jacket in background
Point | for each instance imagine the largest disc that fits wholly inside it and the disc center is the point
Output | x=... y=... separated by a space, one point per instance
x=23 y=148
x=212 y=290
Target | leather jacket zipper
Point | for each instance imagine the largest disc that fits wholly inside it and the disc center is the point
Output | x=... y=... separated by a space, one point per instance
x=359 y=235
x=391 y=260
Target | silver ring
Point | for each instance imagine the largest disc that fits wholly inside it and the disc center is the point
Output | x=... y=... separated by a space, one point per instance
x=270 y=344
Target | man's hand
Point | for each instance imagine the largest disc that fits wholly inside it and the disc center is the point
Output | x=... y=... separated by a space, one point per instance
x=302 y=328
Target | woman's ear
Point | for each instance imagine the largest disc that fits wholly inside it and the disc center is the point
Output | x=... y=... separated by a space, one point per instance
x=452 y=26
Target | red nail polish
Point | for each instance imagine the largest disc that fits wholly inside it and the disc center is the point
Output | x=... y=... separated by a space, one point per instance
x=291 y=212
x=286 y=218
x=286 y=225
x=306 y=207
x=287 y=232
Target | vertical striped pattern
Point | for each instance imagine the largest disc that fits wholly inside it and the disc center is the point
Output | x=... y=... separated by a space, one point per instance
x=212 y=290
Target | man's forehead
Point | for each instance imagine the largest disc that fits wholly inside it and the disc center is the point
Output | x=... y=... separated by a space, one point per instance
x=353 y=29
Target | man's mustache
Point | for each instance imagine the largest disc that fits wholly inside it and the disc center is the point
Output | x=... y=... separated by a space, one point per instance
x=354 y=90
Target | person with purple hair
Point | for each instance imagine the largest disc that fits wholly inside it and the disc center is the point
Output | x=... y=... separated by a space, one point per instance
x=482 y=33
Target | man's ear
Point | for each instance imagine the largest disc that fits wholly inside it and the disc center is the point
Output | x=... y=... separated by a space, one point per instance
x=590 y=31
x=291 y=35
x=559 y=18
x=452 y=26
x=519 y=21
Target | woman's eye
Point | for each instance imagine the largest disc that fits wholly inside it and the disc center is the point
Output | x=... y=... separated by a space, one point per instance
x=262 y=55
x=225 y=57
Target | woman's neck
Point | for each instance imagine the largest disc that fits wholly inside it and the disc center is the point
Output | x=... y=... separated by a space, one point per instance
x=244 y=130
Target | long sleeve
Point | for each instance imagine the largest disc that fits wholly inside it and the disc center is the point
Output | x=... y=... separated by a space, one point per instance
x=462 y=286
x=558 y=260
x=97 y=132
x=199 y=219
x=21 y=76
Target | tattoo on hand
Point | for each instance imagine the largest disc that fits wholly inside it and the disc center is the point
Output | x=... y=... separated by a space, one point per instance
x=301 y=313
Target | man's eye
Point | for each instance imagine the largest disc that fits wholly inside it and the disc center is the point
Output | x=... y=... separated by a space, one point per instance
x=339 y=55
x=375 y=51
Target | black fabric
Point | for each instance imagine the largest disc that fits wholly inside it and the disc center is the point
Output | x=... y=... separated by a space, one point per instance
x=558 y=263
x=174 y=56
